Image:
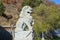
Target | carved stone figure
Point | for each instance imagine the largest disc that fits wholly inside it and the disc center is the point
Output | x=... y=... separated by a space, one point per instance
x=24 y=22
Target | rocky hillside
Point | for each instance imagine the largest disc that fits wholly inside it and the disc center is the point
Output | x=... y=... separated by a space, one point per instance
x=12 y=8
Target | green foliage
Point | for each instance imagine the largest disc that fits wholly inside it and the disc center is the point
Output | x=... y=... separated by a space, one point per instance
x=46 y=17
x=32 y=3
x=1 y=8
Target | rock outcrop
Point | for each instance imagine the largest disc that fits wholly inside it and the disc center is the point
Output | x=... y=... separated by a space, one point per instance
x=12 y=8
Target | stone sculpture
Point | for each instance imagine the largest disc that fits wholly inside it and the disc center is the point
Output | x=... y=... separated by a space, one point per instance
x=25 y=20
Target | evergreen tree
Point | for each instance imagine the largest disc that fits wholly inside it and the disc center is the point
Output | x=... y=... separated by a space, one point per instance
x=2 y=8
x=46 y=18
x=32 y=3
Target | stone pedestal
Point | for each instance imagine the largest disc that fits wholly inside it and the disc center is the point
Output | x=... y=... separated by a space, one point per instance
x=24 y=35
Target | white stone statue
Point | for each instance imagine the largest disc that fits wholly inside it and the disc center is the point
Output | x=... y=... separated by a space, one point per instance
x=25 y=20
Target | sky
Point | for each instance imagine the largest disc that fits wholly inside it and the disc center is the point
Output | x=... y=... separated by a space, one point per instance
x=56 y=1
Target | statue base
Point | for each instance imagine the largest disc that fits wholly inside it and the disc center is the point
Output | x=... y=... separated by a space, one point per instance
x=24 y=35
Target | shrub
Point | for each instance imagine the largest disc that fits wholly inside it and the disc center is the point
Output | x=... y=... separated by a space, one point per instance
x=32 y=3
x=2 y=8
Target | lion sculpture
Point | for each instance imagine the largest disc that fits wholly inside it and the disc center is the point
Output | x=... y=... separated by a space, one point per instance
x=25 y=19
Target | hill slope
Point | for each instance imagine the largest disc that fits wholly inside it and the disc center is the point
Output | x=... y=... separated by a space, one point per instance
x=11 y=9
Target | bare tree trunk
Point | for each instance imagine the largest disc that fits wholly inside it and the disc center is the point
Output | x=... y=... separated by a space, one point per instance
x=43 y=36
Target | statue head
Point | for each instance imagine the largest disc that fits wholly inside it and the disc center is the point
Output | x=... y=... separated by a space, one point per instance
x=26 y=10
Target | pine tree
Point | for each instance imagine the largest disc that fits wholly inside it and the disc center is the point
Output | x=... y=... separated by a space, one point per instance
x=32 y=3
x=2 y=8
